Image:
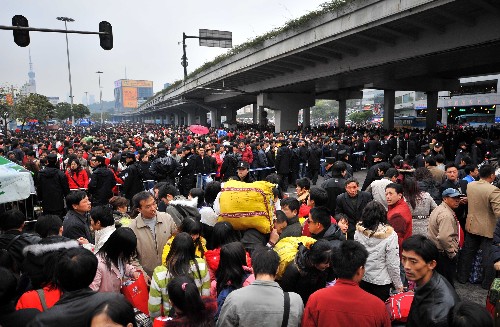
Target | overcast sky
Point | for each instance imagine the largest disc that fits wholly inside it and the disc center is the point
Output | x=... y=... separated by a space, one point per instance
x=146 y=35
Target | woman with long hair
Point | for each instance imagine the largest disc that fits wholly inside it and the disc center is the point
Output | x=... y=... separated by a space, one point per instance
x=191 y=309
x=421 y=205
x=381 y=242
x=427 y=184
x=76 y=175
x=223 y=233
x=114 y=261
x=232 y=273
x=207 y=213
x=180 y=260
x=193 y=228
x=309 y=270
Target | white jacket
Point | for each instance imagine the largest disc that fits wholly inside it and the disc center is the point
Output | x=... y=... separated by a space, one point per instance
x=382 y=266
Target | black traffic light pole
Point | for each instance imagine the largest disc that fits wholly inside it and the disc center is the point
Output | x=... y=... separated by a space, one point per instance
x=21 y=32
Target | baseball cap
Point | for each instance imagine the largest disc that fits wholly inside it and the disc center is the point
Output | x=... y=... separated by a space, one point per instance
x=452 y=193
x=379 y=155
x=438 y=145
x=243 y=165
x=330 y=160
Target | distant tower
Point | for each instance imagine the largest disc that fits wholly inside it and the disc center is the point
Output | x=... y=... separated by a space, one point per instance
x=29 y=87
x=31 y=75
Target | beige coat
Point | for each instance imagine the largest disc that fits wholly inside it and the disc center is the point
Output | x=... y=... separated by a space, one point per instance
x=484 y=208
x=149 y=248
x=443 y=230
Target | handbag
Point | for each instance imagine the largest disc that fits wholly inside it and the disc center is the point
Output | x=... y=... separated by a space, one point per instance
x=136 y=292
x=398 y=306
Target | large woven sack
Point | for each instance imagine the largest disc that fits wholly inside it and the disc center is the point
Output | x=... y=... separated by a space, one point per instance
x=287 y=248
x=247 y=205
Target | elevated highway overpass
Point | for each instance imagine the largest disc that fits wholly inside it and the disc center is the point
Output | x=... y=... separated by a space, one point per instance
x=421 y=45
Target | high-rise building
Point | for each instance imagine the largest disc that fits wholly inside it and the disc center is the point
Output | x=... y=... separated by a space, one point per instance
x=29 y=87
x=130 y=94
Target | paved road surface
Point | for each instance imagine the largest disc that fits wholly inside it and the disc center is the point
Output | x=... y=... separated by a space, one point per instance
x=467 y=292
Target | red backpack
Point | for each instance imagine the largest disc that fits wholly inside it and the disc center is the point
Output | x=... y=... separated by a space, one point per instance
x=398 y=306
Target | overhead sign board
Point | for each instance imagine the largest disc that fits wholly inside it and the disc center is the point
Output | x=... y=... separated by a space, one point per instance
x=215 y=38
x=133 y=83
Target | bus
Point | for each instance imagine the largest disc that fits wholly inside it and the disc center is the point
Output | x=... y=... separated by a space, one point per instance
x=409 y=121
x=476 y=120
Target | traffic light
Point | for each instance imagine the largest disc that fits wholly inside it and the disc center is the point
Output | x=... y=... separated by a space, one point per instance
x=22 y=38
x=106 y=39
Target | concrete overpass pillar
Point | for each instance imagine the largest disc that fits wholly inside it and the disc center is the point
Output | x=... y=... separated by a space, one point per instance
x=286 y=108
x=166 y=121
x=215 y=117
x=342 y=112
x=389 y=102
x=191 y=118
x=285 y=120
x=203 y=117
x=255 y=113
x=306 y=117
x=444 y=116
x=432 y=103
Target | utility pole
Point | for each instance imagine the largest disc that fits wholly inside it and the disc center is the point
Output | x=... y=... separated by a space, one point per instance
x=100 y=91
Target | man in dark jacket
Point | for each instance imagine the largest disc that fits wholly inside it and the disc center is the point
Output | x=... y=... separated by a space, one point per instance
x=303 y=157
x=290 y=206
x=52 y=187
x=374 y=174
x=313 y=162
x=260 y=161
x=101 y=183
x=132 y=177
x=452 y=181
x=204 y=167
x=351 y=203
x=76 y=224
x=75 y=271
x=229 y=165
x=187 y=177
x=321 y=227
x=335 y=185
x=243 y=173
x=164 y=168
x=282 y=165
x=12 y=238
x=434 y=296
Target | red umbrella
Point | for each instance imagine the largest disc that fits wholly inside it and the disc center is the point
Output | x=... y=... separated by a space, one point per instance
x=198 y=129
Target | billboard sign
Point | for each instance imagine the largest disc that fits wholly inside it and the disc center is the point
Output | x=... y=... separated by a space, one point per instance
x=214 y=38
x=129 y=97
x=133 y=83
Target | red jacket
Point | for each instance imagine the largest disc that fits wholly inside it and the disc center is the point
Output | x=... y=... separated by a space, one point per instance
x=78 y=179
x=399 y=217
x=247 y=155
x=345 y=304
x=212 y=257
x=31 y=299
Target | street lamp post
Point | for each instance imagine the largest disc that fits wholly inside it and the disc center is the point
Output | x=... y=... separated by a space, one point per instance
x=100 y=91
x=66 y=20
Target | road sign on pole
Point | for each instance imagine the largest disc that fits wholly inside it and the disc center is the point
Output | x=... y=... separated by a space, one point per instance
x=215 y=38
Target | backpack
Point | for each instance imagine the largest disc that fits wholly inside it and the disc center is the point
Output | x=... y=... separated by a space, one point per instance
x=287 y=248
x=226 y=290
x=398 y=306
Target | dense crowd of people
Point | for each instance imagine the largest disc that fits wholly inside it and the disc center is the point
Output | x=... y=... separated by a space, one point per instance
x=121 y=204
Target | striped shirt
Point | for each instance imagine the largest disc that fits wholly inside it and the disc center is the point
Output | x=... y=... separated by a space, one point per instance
x=158 y=294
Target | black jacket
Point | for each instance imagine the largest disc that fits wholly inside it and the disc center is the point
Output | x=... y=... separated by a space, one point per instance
x=229 y=166
x=74 y=308
x=345 y=206
x=101 y=185
x=164 y=169
x=132 y=180
x=333 y=186
x=283 y=157
x=17 y=246
x=302 y=279
x=432 y=303
x=52 y=188
x=313 y=161
x=76 y=226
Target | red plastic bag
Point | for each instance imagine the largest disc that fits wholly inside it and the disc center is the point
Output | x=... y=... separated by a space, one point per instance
x=398 y=306
x=160 y=321
x=137 y=293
